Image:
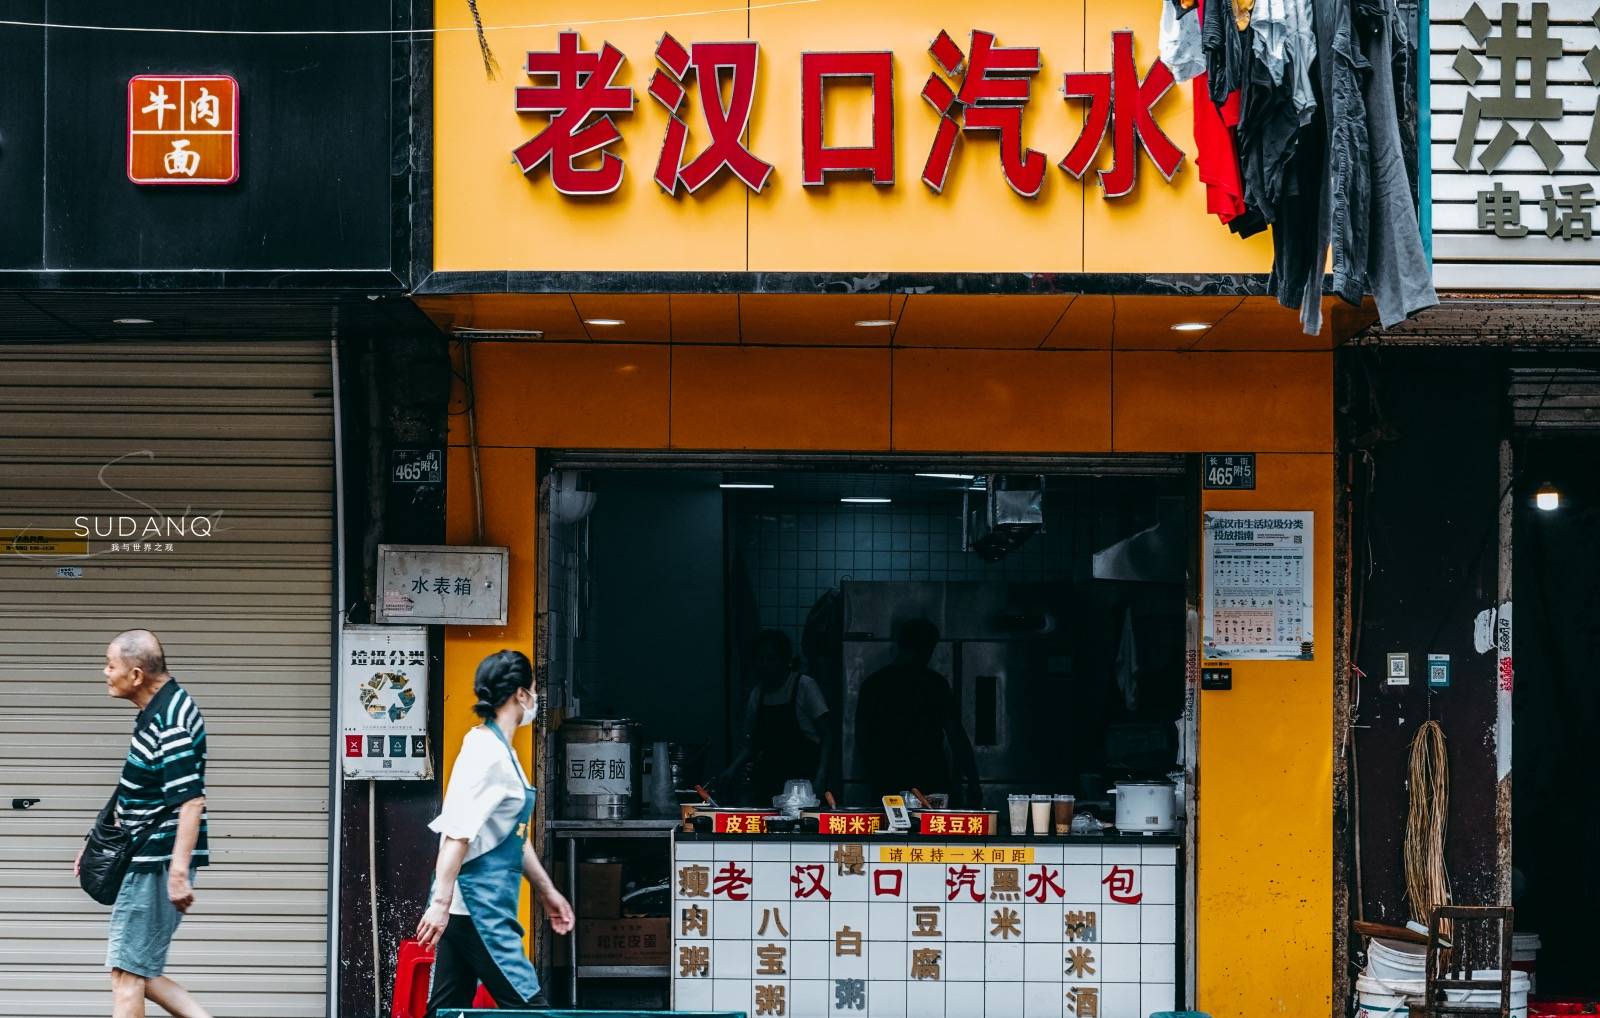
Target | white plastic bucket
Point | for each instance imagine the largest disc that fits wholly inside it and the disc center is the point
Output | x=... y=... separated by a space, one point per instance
x=1520 y=987
x=1387 y=998
x=1394 y=960
x=1525 y=957
x=1380 y=998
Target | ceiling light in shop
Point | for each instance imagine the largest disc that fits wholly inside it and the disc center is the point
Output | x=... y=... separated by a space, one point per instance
x=875 y=323
x=604 y=323
x=866 y=500
x=745 y=486
x=1190 y=327
x=1548 y=497
x=950 y=477
x=132 y=321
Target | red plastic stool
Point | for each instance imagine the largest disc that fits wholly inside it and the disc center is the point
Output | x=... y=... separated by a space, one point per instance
x=411 y=971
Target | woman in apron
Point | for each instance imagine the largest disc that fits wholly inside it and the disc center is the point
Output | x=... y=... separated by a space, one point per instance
x=484 y=853
x=788 y=732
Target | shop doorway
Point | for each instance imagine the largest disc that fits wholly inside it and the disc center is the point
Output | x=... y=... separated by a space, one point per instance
x=1062 y=641
x=1556 y=701
x=1059 y=637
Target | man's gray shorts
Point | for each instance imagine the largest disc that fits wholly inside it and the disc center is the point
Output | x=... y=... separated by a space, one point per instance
x=143 y=921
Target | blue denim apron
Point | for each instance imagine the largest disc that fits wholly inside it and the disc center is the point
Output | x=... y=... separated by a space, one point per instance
x=491 y=887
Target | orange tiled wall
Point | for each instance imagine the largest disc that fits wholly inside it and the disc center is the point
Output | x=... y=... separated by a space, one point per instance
x=1265 y=822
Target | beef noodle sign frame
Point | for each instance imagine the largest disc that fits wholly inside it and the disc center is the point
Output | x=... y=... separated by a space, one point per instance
x=979 y=88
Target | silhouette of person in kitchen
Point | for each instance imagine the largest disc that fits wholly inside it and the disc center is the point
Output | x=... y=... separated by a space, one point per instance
x=787 y=729
x=905 y=716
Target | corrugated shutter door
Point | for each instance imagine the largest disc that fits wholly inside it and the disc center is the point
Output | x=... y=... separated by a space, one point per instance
x=244 y=434
x=1555 y=400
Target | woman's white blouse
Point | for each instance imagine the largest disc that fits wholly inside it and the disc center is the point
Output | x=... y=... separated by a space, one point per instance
x=483 y=800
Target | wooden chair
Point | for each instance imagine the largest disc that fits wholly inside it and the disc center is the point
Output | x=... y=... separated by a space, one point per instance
x=1478 y=938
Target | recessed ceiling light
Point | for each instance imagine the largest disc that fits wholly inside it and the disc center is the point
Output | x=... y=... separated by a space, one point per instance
x=950 y=477
x=875 y=323
x=132 y=321
x=745 y=486
x=866 y=500
x=604 y=323
x=1191 y=327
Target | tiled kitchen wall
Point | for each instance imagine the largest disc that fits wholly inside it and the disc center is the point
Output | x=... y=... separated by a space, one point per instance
x=795 y=552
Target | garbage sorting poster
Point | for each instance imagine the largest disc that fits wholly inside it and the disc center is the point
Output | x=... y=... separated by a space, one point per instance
x=383 y=692
x=1258 y=571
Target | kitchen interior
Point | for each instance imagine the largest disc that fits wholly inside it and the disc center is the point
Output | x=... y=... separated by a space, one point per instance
x=1058 y=599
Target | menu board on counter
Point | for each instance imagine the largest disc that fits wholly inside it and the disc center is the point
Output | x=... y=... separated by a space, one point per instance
x=1258 y=570
x=811 y=929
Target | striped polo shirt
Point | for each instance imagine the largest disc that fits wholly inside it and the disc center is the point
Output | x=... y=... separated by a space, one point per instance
x=166 y=767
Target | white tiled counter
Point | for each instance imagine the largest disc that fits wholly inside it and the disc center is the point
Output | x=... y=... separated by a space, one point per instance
x=801 y=926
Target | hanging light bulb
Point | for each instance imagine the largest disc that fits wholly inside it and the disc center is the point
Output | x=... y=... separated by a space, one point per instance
x=1548 y=497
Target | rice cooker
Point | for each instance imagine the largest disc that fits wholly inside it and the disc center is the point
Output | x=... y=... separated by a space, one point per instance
x=1144 y=806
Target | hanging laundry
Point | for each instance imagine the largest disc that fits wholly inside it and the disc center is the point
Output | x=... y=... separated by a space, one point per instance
x=1398 y=274
x=1216 y=113
x=1268 y=134
x=1285 y=42
x=1227 y=50
x=1180 y=40
x=1215 y=158
x=1352 y=158
x=1340 y=178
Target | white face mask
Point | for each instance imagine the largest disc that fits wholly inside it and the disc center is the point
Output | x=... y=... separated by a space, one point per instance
x=529 y=712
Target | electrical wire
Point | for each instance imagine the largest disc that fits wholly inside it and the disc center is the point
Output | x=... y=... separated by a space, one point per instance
x=743 y=8
x=472 y=441
x=1427 y=878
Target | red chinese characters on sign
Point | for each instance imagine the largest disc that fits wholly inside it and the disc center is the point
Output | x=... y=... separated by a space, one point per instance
x=725 y=124
x=807 y=881
x=579 y=100
x=732 y=882
x=1119 y=886
x=984 y=88
x=1120 y=101
x=1043 y=885
x=995 y=86
x=888 y=883
x=183 y=129
x=817 y=159
x=961 y=878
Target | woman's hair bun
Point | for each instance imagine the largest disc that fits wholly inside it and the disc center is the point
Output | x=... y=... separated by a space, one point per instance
x=499 y=677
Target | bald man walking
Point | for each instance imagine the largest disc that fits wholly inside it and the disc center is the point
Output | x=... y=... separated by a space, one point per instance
x=161 y=798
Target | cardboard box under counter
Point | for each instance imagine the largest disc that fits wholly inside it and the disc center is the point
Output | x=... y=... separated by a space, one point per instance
x=638 y=941
x=599 y=890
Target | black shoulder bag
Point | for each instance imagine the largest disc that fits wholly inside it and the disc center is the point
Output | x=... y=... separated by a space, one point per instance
x=108 y=851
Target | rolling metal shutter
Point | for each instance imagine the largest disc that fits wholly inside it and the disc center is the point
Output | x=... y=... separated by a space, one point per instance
x=1555 y=400
x=242 y=433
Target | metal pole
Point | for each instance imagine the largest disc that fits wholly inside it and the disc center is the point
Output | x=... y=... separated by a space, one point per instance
x=1504 y=679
